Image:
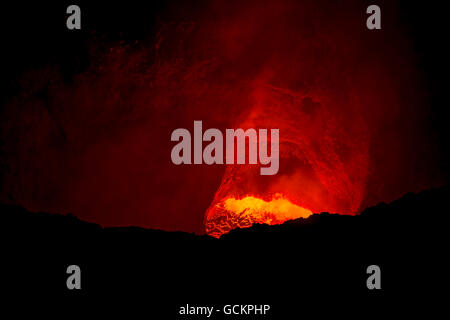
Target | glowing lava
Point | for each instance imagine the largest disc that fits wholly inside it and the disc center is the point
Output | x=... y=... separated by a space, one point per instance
x=242 y=213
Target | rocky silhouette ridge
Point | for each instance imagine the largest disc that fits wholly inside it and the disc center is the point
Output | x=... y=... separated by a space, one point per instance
x=322 y=258
x=411 y=209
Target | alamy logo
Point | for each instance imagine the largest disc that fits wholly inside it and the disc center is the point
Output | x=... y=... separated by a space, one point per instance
x=74 y=20
x=74 y=278
x=374 y=280
x=214 y=151
x=374 y=20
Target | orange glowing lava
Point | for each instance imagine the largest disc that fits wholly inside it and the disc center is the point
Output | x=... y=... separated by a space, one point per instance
x=242 y=213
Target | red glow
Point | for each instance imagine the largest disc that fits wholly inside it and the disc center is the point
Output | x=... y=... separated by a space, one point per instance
x=323 y=160
x=348 y=102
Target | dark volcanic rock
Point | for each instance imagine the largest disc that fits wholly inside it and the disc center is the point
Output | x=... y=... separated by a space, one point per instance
x=319 y=260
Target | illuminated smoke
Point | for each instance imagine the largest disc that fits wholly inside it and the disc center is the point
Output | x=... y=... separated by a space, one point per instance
x=348 y=102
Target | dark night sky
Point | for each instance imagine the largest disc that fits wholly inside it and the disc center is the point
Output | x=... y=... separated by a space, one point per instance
x=86 y=116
